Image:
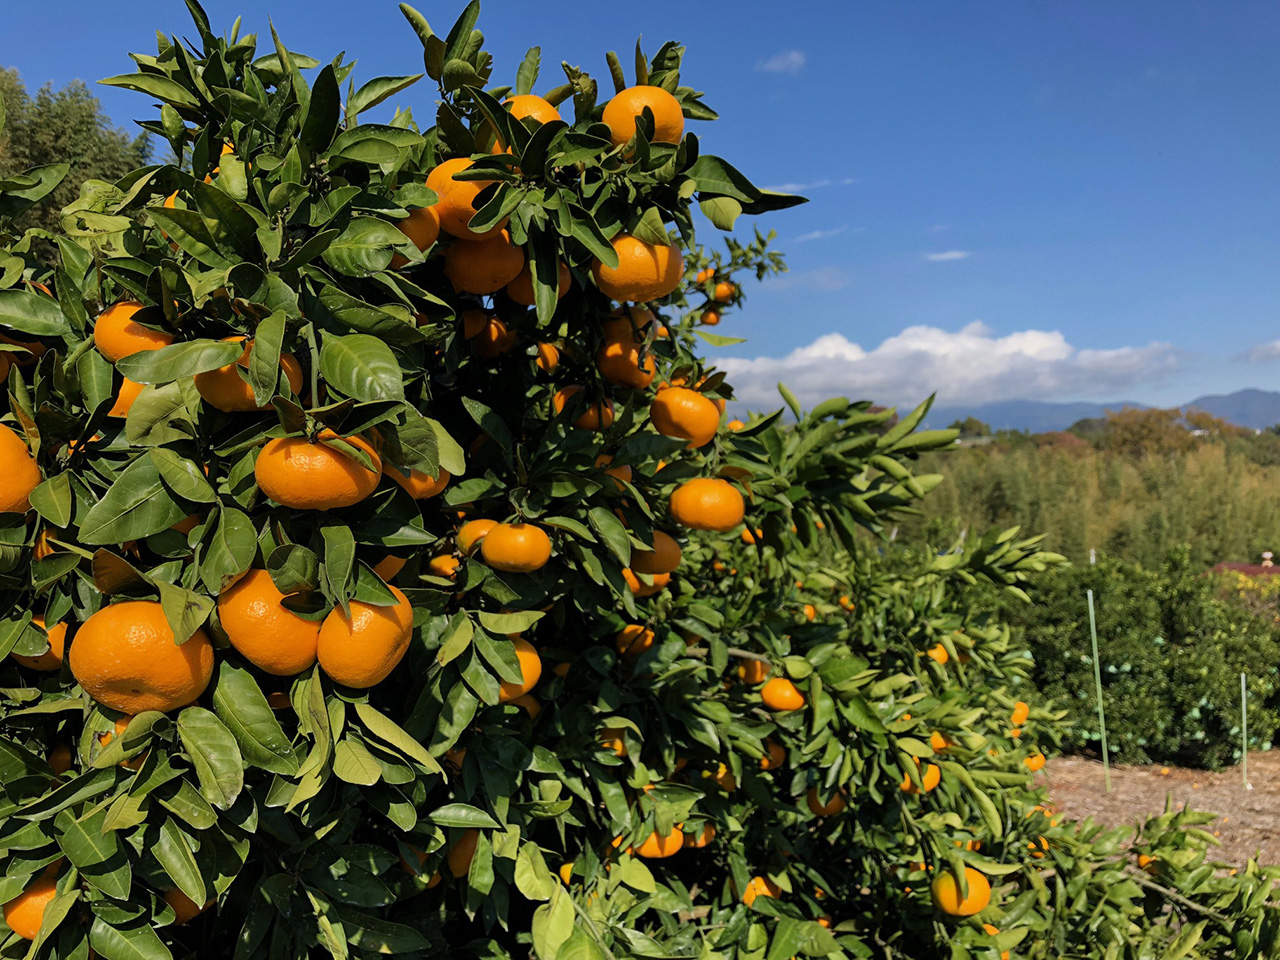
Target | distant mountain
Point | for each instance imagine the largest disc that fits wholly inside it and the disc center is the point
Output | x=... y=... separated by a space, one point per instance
x=1256 y=409
x=1035 y=416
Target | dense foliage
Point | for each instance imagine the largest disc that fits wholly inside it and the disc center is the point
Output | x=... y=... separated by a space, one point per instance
x=1138 y=486
x=608 y=722
x=64 y=126
x=1172 y=642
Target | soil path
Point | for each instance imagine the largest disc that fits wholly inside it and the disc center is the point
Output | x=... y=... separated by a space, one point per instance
x=1248 y=823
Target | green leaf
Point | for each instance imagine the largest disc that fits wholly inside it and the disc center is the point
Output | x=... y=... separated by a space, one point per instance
x=612 y=533
x=136 y=505
x=553 y=924
x=723 y=212
x=214 y=755
x=97 y=853
x=527 y=74
x=264 y=358
x=353 y=763
x=241 y=705
x=184 y=477
x=716 y=176
x=177 y=858
x=533 y=879
x=321 y=122
x=381 y=728
x=136 y=941
x=377 y=90
x=32 y=313
x=162 y=88
x=462 y=815
x=365 y=247
x=361 y=367
x=230 y=551
x=178 y=360
x=53 y=499
x=185 y=610
x=294 y=569
x=505 y=623
x=716 y=340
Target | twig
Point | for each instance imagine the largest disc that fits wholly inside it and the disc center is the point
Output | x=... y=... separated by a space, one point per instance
x=1173 y=895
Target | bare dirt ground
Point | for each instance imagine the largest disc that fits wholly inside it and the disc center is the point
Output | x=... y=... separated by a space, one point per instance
x=1249 y=820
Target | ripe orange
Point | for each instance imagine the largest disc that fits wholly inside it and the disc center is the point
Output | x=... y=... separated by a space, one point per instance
x=51 y=659
x=463 y=852
x=185 y=908
x=930 y=777
x=946 y=893
x=419 y=485
x=1035 y=762
x=645 y=271
x=621 y=112
x=471 y=533
x=389 y=566
x=529 y=705
x=521 y=288
x=633 y=640
x=623 y=473
x=483 y=266
x=991 y=930
x=735 y=426
x=940 y=741
x=610 y=738
x=938 y=654
x=548 y=357
x=781 y=694
x=267 y=634
x=810 y=612
x=226 y=390
x=305 y=475
x=723 y=292
x=25 y=912
x=621 y=364
x=685 y=415
x=530 y=671
x=833 y=806
x=125 y=657
x=754 y=671
x=656 y=846
x=21 y=474
x=597 y=416
x=1020 y=713
x=121 y=726
x=707 y=503
x=642 y=589
x=128 y=393
x=710 y=318
x=59 y=759
x=361 y=650
x=521 y=106
x=116 y=334
x=701 y=840
x=444 y=565
x=760 y=887
x=422 y=226
x=516 y=547
x=665 y=556
x=775 y=755
x=456 y=205
x=628 y=323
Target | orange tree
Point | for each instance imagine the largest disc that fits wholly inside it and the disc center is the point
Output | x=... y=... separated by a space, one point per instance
x=374 y=578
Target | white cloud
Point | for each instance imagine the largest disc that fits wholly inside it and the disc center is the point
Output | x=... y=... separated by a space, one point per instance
x=946 y=255
x=821 y=234
x=970 y=366
x=794 y=187
x=1263 y=352
x=938 y=228
x=788 y=61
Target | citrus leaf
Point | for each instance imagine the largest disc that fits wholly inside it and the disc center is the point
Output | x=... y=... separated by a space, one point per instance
x=462 y=815
x=177 y=858
x=136 y=505
x=361 y=367
x=214 y=754
x=97 y=854
x=240 y=704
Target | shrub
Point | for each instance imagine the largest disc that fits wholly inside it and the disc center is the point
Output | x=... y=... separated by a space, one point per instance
x=1172 y=650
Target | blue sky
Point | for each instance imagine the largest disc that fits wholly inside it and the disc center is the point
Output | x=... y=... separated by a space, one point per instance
x=1067 y=200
